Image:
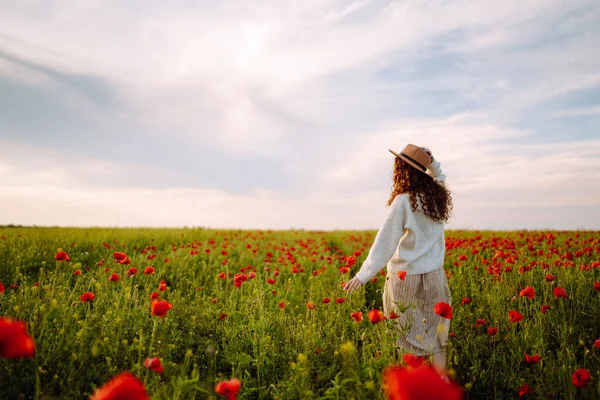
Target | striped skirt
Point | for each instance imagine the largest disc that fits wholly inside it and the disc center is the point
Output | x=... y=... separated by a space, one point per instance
x=421 y=331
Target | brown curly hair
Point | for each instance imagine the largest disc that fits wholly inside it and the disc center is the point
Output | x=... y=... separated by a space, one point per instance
x=434 y=196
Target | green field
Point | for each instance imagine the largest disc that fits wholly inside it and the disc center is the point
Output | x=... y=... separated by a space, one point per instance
x=292 y=351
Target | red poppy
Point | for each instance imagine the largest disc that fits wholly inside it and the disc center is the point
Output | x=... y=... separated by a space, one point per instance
x=412 y=360
x=534 y=359
x=402 y=275
x=61 y=256
x=310 y=305
x=223 y=316
x=160 y=307
x=515 y=316
x=229 y=388
x=560 y=293
x=87 y=296
x=120 y=257
x=149 y=270
x=123 y=386
x=596 y=286
x=162 y=286
x=214 y=301
x=545 y=308
x=376 y=316
x=452 y=335
x=479 y=322
x=423 y=382
x=281 y=304
x=154 y=296
x=326 y=300
x=581 y=378
x=525 y=389
x=1 y=287
x=153 y=364
x=271 y=281
x=114 y=277
x=444 y=310
x=357 y=315
x=597 y=343
x=550 y=277
x=492 y=331
x=465 y=301
x=393 y=315
x=15 y=342
x=528 y=292
x=340 y=300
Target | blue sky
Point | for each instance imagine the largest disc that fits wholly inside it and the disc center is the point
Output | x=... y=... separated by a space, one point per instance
x=270 y=114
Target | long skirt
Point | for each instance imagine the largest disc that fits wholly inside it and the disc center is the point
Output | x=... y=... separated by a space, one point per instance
x=421 y=331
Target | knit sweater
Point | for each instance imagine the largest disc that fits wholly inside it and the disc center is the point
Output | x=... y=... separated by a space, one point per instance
x=407 y=241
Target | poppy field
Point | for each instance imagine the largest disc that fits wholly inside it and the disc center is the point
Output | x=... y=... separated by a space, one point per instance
x=225 y=314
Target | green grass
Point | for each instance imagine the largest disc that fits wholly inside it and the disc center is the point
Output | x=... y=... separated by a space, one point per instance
x=273 y=351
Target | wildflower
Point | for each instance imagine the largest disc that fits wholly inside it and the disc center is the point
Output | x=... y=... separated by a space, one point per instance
x=149 y=270
x=160 y=307
x=340 y=300
x=15 y=342
x=534 y=359
x=528 y=292
x=465 y=301
x=550 y=277
x=443 y=309
x=515 y=316
x=132 y=271
x=229 y=388
x=357 y=315
x=560 y=293
x=153 y=364
x=326 y=300
x=422 y=382
x=545 y=308
x=114 y=277
x=310 y=305
x=581 y=378
x=61 y=256
x=492 y=331
x=525 y=389
x=402 y=275
x=87 y=296
x=376 y=316
x=123 y=386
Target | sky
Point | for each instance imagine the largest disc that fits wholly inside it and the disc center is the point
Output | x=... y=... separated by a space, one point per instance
x=279 y=115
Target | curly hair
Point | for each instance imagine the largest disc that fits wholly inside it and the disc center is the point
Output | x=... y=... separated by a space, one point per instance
x=434 y=196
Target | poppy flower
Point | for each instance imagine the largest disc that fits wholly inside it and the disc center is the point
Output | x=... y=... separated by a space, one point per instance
x=515 y=316
x=545 y=308
x=119 y=257
x=340 y=300
x=132 y=271
x=153 y=364
x=534 y=359
x=465 y=301
x=310 y=305
x=123 y=386
x=596 y=286
x=214 y=301
x=162 y=286
x=528 y=292
x=452 y=335
x=560 y=293
x=160 y=307
x=223 y=316
x=15 y=342
x=271 y=281
x=550 y=277
x=87 y=296
x=149 y=270
x=412 y=360
x=402 y=275
x=597 y=343
x=525 y=389
x=443 y=309
x=154 y=296
x=326 y=300
x=357 y=315
x=376 y=316
x=229 y=388
x=62 y=256
x=393 y=315
x=344 y=270
x=114 y=277
x=423 y=382
x=281 y=304
x=492 y=331
x=479 y=322
x=1 y=287
x=580 y=378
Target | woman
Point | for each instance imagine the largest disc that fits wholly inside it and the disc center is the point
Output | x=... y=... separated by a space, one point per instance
x=411 y=244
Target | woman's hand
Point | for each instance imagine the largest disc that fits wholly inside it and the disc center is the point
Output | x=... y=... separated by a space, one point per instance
x=352 y=285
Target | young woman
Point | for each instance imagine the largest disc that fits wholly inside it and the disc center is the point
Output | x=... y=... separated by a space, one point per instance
x=411 y=244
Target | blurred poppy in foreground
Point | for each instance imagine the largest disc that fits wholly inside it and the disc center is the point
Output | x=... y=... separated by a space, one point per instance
x=417 y=381
x=376 y=316
x=15 y=342
x=123 y=386
x=229 y=388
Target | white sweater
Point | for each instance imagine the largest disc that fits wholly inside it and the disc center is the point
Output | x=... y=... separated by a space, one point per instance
x=407 y=241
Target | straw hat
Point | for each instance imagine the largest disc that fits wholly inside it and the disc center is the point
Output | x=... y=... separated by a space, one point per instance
x=415 y=156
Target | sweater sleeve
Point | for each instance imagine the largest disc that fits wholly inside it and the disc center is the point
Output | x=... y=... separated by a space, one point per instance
x=386 y=241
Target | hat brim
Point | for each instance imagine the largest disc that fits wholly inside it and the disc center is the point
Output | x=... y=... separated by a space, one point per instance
x=409 y=162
